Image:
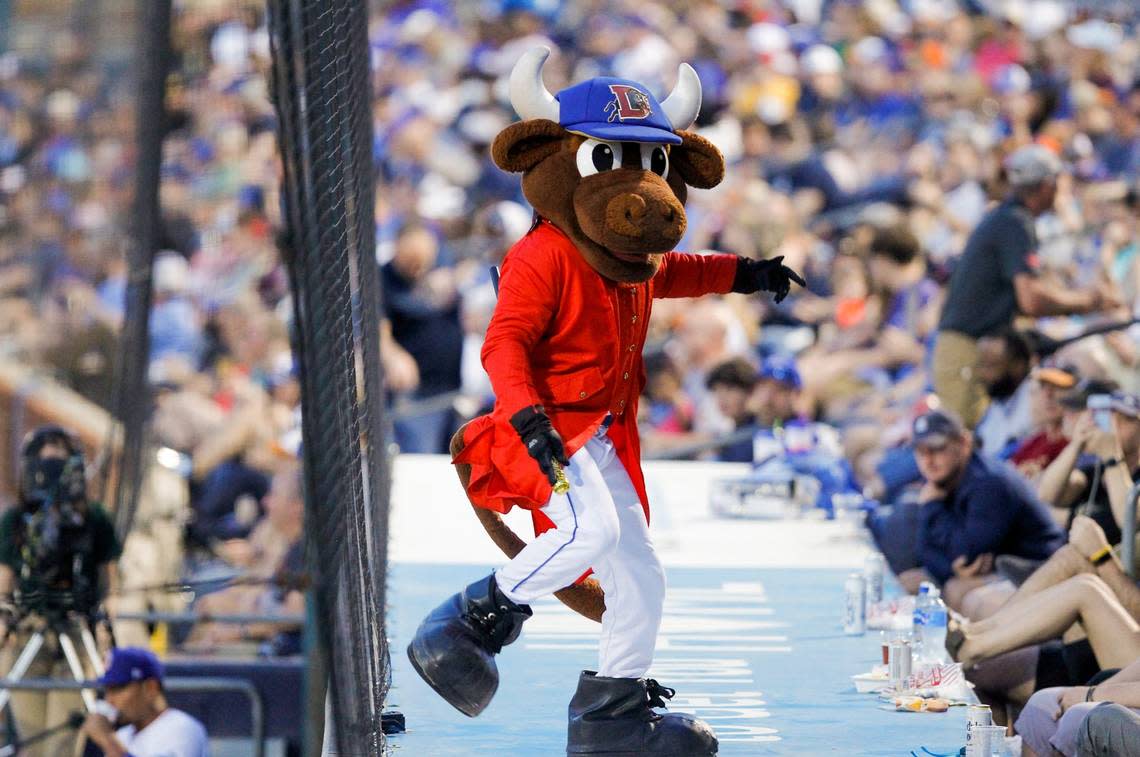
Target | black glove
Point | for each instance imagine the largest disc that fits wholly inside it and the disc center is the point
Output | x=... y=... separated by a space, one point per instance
x=766 y=276
x=542 y=442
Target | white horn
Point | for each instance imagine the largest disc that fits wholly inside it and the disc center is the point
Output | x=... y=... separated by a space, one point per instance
x=684 y=102
x=528 y=94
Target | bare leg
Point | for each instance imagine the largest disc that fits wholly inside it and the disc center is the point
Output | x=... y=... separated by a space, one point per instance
x=984 y=601
x=1063 y=565
x=955 y=591
x=1124 y=588
x=1113 y=633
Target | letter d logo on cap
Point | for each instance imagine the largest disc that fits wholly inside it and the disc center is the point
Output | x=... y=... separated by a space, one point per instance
x=628 y=103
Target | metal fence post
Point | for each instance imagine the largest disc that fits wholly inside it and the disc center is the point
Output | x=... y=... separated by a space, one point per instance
x=1128 y=542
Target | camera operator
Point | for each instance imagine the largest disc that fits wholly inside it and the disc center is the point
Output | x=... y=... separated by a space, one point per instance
x=57 y=562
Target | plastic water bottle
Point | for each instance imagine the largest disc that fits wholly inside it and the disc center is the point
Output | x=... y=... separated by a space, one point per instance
x=921 y=609
x=934 y=630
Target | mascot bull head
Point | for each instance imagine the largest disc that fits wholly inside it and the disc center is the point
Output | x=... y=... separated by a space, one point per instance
x=608 y=164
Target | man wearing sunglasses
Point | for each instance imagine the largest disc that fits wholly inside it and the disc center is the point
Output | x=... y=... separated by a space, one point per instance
x=973 y=509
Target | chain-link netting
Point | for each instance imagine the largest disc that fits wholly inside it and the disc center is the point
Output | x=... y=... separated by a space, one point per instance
x=132 y=406
x=321 y=89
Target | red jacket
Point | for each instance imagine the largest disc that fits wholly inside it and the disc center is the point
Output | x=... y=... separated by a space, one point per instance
x=564 y=337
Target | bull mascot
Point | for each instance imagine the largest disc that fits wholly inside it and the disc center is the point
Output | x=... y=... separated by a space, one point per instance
x=606 y=168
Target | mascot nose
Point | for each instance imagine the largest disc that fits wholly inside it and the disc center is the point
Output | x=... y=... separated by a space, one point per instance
x=624 y=214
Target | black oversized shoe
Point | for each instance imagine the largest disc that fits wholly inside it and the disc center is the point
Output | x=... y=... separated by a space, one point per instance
x=455 y=646
x=614 y=717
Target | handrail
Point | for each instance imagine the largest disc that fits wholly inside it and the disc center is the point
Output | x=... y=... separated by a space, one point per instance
x=1128 y=540
x=173 y=683
x=190 y=617
x=684 y=451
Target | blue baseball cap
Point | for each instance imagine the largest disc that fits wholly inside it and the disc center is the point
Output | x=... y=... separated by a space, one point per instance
x=936 y=427
x=618 y=110
x=781 y=369
x=130 y=664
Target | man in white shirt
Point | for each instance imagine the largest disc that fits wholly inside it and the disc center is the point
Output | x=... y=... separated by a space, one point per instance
x=149 y=727
x=1004 y=363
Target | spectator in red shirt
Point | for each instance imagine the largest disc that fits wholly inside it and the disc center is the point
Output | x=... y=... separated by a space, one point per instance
x=1035 y=452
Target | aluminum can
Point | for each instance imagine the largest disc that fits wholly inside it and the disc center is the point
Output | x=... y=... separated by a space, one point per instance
x=977 y=715
x=874 y=569
x=899 y=662
x=855 y=605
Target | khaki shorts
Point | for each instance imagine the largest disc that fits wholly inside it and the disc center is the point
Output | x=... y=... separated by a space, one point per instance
x=955 y=356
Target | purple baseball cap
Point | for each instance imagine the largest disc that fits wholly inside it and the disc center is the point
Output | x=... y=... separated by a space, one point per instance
x=130 y=664
x=617 y=110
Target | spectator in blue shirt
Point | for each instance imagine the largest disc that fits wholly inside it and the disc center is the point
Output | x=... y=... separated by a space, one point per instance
x=175 y=327
x=973 y=509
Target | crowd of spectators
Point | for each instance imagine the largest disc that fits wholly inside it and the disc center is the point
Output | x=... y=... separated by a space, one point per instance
x=869 y=143
x=224 y=392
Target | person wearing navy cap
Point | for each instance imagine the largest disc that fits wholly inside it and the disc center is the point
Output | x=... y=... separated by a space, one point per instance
x=149 y=727
x=973 y=510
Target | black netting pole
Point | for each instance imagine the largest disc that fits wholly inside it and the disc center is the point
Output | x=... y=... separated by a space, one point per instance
x=132 y=405
x=322 y=94
x=5 y=24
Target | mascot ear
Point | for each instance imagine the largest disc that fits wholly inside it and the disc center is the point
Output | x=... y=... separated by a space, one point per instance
x=697 y=160
x=523 y=145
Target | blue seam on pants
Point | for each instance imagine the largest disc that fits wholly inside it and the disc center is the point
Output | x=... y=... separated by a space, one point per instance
x=573 y=534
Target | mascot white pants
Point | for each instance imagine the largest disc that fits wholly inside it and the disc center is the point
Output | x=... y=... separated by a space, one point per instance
x=600 y=524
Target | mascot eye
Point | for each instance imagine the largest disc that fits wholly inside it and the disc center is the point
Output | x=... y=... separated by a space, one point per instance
x=655 y=159
x=595 y=156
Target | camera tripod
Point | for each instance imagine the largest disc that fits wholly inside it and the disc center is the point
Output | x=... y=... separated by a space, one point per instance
x=62 y=625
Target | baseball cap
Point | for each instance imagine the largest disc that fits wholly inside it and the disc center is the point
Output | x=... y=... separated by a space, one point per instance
x=1062 y=377
x=1012 y=79
x=936 y=427
x=781 y=369
x=821 y=59
x=618 y=110
x=171 y=272
x=767 y=38
x=1078 y=397
x=130 y=664
x=870 y=50
x=1095 y=34
x=1126 y=404
x=1031 y=165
